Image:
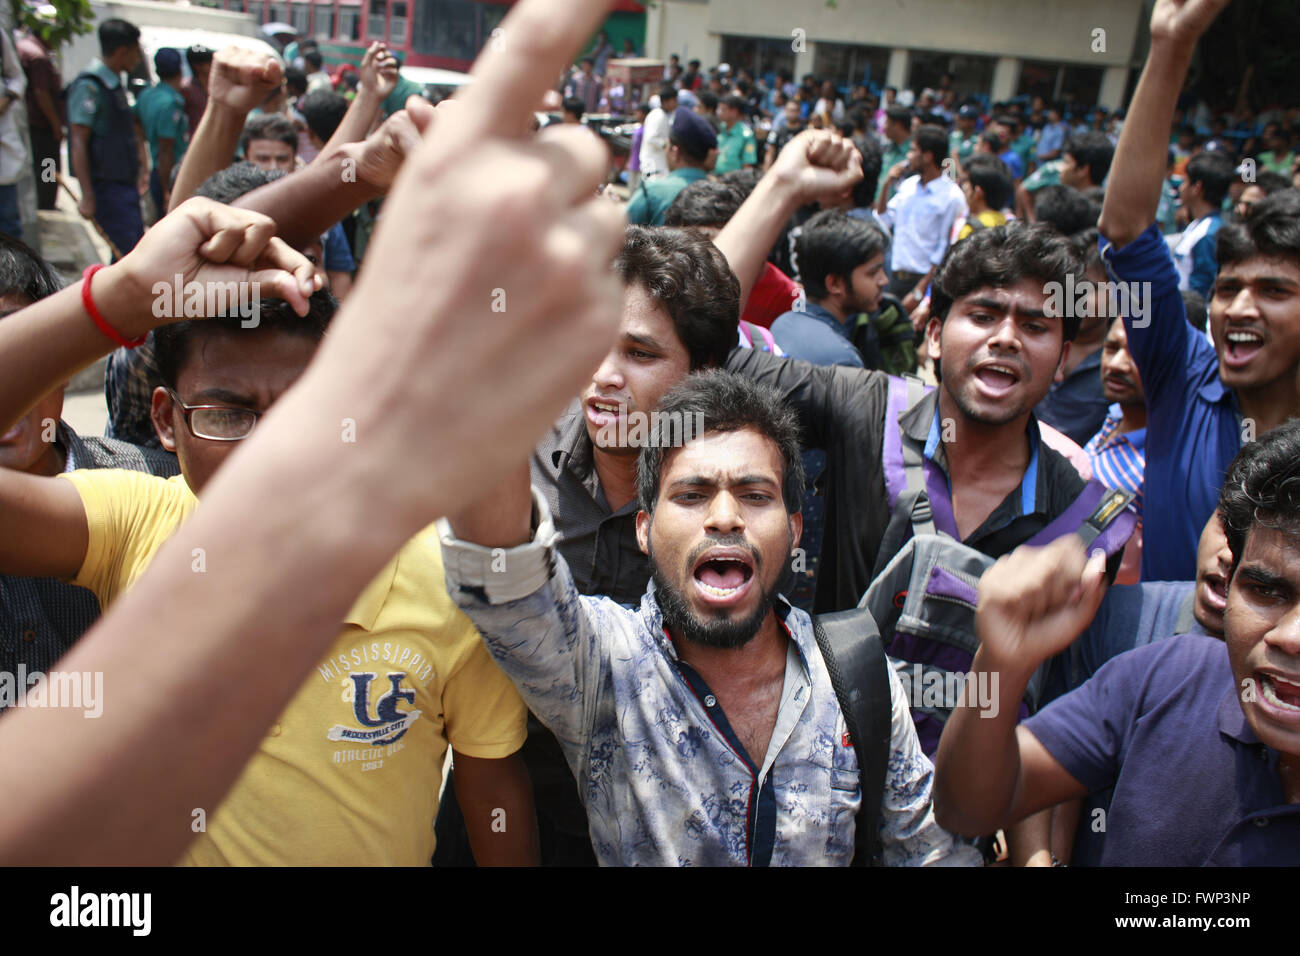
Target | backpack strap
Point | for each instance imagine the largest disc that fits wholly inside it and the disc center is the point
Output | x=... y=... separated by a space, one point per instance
x=904 y=393
x=1104 y=517
x=855 y=657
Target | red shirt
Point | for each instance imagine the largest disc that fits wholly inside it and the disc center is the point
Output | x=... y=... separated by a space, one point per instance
x=773 y=295
x=41 y=74
x=196 y=100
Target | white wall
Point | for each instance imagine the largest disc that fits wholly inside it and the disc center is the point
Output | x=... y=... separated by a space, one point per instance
x=1034 y=29
x=681 y=27
x=77 y=52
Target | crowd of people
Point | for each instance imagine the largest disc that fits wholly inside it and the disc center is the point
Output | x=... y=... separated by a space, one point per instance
x=792 y=512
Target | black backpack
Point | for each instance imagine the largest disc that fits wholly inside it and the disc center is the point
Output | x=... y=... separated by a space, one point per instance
x=855 y=657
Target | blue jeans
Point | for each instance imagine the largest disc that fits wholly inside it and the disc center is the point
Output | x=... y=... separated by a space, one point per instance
x=117 y=210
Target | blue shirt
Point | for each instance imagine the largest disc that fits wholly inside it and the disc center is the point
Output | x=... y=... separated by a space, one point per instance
x=1130 y=616
x=1193 y=786
x=816 y=336
x=161 y=111
x=1076 y=406
x=1014 y=163
x=1052 y=139
x=664 y=778
x=1196 y=254
x=1193 y=431
x=921 y=216
x=1117 y=457
x=338 y=257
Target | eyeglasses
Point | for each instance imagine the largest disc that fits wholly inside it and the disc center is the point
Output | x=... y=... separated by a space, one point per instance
x=217 y=422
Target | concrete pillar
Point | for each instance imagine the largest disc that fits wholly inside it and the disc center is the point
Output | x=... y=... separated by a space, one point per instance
x=900 y=64
x=804 y=59
x=711 y=52
x=1113 y=83
x=1006 y=77
x=654 y=31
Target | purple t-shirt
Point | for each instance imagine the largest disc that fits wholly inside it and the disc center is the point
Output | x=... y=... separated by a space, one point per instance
x=1193 y=786
x=634 y=151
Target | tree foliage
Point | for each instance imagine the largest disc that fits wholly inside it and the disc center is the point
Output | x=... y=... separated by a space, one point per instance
x=71 y=18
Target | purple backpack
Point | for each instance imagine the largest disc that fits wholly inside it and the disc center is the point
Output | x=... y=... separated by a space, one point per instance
x=924 y=598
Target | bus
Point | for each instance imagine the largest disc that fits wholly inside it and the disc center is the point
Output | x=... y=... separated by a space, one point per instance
x=446 y=34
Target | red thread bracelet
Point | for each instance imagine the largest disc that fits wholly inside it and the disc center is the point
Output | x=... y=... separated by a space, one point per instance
x=100 y=323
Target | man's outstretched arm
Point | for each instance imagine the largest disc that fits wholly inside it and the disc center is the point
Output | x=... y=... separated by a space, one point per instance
x=378 y=78
x=990 y=773
x=298 y=521
x=1138 y=171
x=496 y=797
x=815 y=163
x=239 y=81
x=341 y=178
x=43 y=528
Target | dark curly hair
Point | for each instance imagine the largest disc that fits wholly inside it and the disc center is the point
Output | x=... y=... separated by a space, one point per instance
x=687 y=275
x=727 y=402
x=1003 y=256
x=1272 y=229
x=173 y=344
x=1262 y=488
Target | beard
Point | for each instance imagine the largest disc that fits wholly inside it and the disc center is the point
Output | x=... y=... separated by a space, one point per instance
x=720 y=631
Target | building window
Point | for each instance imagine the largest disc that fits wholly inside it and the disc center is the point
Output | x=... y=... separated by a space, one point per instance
x=377 y=21
x=301 y=18
x=397 y=29
x=275 y=13
x=1056 y=83
x=850 y=64
x=324 y=21
x=349 y=21
x=971 y=75
x=761 y=57
x=447 y=28
x=1081 y=85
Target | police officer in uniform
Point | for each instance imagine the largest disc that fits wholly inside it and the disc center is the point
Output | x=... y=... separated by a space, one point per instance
x=107 y=148
x=692 y=146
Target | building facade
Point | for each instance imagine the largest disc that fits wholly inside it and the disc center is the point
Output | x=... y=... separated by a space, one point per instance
x=1062 y=50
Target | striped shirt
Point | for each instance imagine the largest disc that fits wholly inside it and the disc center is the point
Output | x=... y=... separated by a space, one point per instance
x=1118 y=458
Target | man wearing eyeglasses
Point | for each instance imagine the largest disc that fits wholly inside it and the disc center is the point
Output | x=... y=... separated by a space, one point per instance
x=350 y=773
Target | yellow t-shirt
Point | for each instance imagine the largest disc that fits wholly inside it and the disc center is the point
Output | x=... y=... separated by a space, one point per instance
x=990 y=218
x=350 y=773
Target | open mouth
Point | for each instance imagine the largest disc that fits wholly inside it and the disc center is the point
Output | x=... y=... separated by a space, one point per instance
x=1280 y=692
x=603 y=411
x=1215 y=591
x=1241 y=345
x=998 y=378
x=723 y=575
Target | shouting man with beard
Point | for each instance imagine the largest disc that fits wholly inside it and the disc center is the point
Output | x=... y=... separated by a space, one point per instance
x=702 y=726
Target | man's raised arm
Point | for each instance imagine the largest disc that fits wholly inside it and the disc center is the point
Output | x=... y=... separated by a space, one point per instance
x=239 y=81
x=297 y=522
x=43 y=529
x=1138 y=171
x=378 y=78
x=342 y=177
x=815 y=163
x=989 y=773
